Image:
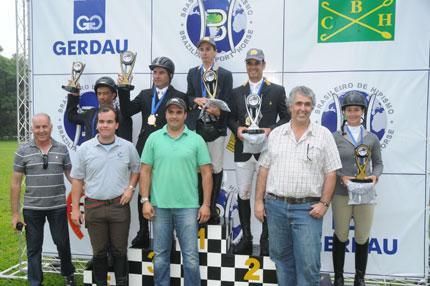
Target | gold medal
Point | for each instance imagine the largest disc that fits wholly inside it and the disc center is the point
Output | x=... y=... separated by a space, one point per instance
x=248 y=121
x=152 y=119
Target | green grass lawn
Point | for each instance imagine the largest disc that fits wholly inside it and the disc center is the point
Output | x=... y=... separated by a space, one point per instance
x=8 y=237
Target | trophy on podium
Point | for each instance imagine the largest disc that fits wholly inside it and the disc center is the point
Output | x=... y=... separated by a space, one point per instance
x=253 y=109
x=127 y=61
x=210 y=82
x=362 y=155
x=77 y=70
x=361 y=190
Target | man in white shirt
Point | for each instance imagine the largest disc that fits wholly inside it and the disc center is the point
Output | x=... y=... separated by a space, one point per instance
x=296 y=180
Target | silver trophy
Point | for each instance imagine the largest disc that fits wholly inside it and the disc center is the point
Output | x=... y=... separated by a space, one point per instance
x=127 y=61
x=73 y=85
x=253 y=109
x=210 y=82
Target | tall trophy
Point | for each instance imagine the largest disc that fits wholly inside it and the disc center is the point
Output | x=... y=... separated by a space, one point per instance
x=362 y=155
x=210 y=82
x=361 y=190
x=253 y=109
x=127 y=61
x=73 y=85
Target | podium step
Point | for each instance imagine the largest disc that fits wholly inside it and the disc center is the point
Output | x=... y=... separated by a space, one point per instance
x=217 y=265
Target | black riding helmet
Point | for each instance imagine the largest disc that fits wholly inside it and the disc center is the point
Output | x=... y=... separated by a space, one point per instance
x=354 y=98
x=105 y=81
x=163 y=62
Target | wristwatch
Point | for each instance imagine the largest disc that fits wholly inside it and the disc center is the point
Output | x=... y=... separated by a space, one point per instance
x=325 y=204
x=143 y=200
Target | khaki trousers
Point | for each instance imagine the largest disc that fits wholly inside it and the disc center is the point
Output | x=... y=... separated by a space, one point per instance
x=342 y=214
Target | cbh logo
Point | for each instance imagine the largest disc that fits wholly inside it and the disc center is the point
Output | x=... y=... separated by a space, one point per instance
x=228 y=22
x=89 y=16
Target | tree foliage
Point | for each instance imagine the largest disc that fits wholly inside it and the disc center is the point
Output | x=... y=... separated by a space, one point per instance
x=7 y=97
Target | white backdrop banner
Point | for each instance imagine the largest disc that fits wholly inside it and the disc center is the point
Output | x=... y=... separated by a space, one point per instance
x=380 y=48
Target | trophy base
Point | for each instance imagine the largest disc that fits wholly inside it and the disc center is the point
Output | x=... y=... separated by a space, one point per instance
x=71 y=89
x=253 y=131
x=126 y=86
x=361 y=180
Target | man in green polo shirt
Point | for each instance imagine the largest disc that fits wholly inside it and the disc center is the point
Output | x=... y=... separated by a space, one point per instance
x=170 y=160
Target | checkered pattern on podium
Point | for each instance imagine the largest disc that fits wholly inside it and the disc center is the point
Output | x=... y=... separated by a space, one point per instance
x=217 y=266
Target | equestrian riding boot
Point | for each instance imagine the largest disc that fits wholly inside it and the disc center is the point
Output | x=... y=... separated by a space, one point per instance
x=338 y=260
x=142 y=237
x=245 y=244
x=217 y=182
x=361 y=253
x=264 y=239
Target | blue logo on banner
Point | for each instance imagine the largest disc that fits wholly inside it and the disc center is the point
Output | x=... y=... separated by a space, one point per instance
x=89 y=16
x=228 y=22
x=378 y=119
x=87 y=101
x=377 y=245
x=378 y=116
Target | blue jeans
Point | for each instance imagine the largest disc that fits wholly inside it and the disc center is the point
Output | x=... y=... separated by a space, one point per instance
x=35 y=222
x=184 y=221
x=294 y=242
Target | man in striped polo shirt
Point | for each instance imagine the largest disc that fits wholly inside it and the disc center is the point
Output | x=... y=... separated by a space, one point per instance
x=42 y=161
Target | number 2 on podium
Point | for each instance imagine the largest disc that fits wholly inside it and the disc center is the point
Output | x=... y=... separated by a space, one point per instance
x=255 y=267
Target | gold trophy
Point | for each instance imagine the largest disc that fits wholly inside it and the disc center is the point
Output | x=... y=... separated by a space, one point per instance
x=362 y=155
x=127 y=61
x=253 y=108
x=210 y=82
x=77 y=70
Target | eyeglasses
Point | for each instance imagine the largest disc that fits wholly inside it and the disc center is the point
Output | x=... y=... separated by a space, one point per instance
x=45 y=161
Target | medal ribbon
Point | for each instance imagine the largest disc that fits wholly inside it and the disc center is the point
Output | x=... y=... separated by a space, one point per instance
x=154 y=107
x=353 y=139
x=259 y=89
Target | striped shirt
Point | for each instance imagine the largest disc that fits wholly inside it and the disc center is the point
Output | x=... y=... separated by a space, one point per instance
x=44 y=187
x=298 y=168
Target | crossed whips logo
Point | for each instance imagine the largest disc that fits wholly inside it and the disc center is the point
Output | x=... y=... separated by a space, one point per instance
x=357 y=20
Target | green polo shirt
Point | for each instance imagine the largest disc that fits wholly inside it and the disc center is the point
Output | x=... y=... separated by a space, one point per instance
x=175 y=162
